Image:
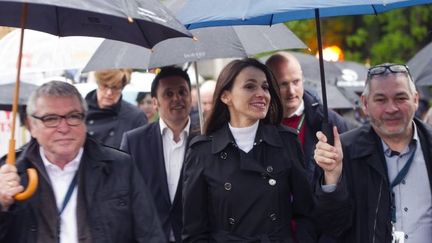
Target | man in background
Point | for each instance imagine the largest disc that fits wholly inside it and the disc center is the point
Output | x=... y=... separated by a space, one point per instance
x=158 y=148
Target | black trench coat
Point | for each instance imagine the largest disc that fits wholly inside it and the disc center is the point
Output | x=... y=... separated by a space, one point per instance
x=233 y=196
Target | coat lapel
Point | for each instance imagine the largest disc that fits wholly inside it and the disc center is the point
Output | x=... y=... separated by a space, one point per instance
x=94 y=164
x=366 y=151
x=159 y=162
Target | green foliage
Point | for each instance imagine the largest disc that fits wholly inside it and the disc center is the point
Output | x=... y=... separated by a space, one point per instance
x=394 y=36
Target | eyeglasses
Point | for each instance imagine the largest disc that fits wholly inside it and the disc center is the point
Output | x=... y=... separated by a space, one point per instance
x=113 y=89
x=72 y=119
x=393 y=68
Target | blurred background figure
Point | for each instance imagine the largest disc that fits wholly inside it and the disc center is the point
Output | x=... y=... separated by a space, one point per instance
x=428 y=117
x=109 y=116
x=145 y=103
x=302 y=110
x=206 y=91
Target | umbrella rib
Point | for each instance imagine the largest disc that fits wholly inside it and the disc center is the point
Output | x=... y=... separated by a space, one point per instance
x=374 y=9
x=57 y=21
x=143 y=34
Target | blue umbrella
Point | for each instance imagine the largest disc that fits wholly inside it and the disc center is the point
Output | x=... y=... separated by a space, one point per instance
x=204 y=13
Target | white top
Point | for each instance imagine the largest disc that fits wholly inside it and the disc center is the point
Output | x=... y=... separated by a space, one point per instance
x=60 y=181
x=244 y=136
x=174 y=153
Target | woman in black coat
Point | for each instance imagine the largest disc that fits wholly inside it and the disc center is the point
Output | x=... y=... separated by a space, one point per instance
x=244 y=179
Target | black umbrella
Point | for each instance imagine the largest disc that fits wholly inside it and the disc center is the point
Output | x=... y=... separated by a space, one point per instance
x=420 y=66
x=143 y=22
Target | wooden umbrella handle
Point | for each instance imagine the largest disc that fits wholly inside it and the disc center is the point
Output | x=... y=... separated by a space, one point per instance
x=31 y=187
x=31 y=173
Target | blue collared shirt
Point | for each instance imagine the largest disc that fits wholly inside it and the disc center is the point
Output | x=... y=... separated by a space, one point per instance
x=413 y=199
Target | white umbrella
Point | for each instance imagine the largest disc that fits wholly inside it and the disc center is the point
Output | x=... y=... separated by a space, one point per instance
x=45 y=52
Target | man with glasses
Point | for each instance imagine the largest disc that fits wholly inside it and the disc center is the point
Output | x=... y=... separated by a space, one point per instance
x=87 y=192
x=109 y=116
x=376 y=182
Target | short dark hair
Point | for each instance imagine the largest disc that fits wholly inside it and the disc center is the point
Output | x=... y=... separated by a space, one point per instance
x=219 y=115
x=141 y=96
x=168 y=72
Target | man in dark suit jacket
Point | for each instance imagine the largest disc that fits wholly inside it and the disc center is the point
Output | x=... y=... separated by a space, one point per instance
x=159 y=148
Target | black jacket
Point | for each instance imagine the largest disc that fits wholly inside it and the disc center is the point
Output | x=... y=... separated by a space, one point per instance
x=108 y=124
x=359 y=210
x=233 y=196
x=314 y=116
x=113 y=203
x=145 y=146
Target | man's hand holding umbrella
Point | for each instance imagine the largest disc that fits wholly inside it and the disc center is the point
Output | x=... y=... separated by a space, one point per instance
x=9 y=186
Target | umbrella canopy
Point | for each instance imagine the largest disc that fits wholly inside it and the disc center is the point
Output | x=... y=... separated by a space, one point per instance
x=7 y=90
x=337 y=100
x=212 y=42
x=46 y=52
x=420 y=66
x=141 y=22
x=311 y=71
x=203 y=13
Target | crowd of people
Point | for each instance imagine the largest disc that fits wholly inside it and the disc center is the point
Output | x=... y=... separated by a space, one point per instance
x=261 y=170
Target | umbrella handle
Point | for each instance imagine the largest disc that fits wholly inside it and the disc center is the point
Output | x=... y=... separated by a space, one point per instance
x=31 y=187
x=31 y=173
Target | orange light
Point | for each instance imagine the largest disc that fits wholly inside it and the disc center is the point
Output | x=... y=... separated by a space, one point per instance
x=332 y=54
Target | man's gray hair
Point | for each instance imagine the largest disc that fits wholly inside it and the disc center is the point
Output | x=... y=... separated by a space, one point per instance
x=411 y=85
x=54 y=88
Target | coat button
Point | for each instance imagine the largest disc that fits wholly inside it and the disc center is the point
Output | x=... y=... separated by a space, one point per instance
x=223 y=155
x=121 y=203
x=231 y=221
x=111 y=133
x=91 y=122
x=91 y=132
x=269 y=169
x=227 y=186
x=272 y=182
x=273 y=217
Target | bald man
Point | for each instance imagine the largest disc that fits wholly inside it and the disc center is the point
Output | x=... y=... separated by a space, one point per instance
x=302 y=110
x=206 y=91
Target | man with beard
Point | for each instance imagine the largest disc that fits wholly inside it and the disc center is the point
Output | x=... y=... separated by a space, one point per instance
x=376 y=183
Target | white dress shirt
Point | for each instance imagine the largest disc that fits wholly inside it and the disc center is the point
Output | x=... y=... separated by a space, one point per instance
x=60 y=181
x=174 y=153
x=299 y=110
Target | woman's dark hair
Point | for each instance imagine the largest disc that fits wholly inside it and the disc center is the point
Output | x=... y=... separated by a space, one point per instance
x=219 y=115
